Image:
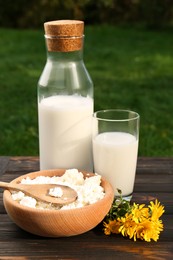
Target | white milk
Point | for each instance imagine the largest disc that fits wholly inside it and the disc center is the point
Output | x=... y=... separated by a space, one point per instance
x=115 y=158
x=65 y=132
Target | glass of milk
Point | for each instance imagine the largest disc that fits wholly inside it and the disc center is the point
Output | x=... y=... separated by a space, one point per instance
x=115 y=148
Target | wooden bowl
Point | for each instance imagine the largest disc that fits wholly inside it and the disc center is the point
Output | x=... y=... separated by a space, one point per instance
x=58 y=223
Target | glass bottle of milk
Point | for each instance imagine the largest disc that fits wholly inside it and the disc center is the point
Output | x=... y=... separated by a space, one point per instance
x=65 y=100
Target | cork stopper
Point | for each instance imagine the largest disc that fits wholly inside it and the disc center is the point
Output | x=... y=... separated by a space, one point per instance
x=64 y=35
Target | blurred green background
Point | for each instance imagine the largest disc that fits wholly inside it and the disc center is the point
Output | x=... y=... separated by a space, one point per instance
x=128 y=52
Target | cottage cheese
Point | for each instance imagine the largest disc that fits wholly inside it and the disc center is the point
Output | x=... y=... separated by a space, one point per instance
x=56 y=192
x=89 y=190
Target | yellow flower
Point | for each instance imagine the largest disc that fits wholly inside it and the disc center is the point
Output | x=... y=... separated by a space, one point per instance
x=149 y=230
x=106 y=228
x=136 y=221
x=128 y=226
x=156 y=210
x=139 y=212
x=111 y=227
x=145 y=230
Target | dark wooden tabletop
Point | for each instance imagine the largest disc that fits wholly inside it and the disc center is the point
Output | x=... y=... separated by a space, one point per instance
x=154 y=179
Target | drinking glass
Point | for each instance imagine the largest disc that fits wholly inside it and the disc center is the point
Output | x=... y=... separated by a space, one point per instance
x=115 y=148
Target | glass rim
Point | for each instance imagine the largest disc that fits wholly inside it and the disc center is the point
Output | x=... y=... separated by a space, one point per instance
x=135 y=117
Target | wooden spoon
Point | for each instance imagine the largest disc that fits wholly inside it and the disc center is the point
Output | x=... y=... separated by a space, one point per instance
x=41 y=192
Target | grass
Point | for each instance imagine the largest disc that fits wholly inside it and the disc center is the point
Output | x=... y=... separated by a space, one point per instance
x=131 y=69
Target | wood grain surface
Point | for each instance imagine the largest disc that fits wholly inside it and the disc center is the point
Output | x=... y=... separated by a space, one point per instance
x=154 y=179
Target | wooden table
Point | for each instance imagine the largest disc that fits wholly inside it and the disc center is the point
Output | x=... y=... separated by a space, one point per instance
x=154 y=179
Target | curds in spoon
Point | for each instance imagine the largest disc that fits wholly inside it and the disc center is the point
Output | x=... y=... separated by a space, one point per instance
x=42 y=192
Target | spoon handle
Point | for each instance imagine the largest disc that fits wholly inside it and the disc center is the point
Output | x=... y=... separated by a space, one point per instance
x=4 y=185
x=9 y=186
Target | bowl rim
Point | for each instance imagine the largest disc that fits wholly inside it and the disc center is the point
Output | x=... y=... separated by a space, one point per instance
x=108 y=189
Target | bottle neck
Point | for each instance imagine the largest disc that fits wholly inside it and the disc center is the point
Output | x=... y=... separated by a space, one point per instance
x=65 y=56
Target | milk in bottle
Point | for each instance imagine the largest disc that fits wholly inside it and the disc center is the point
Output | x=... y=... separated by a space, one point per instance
x=65 y=100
